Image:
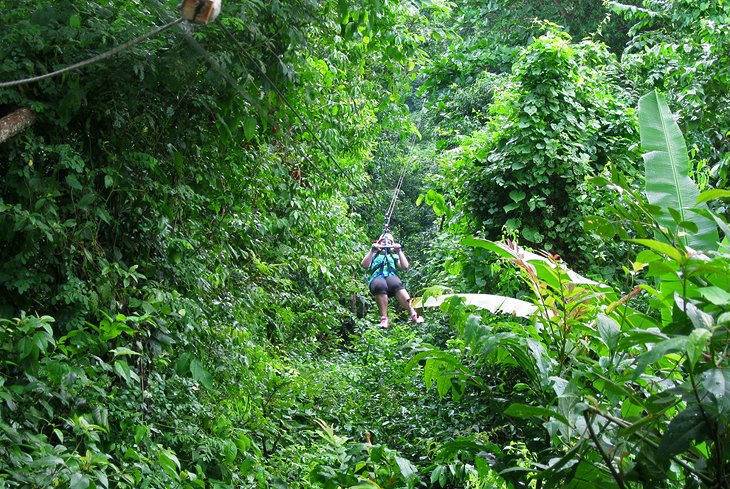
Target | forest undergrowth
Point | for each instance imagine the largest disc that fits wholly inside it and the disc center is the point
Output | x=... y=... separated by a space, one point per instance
x=181 y=227
x=368 y=397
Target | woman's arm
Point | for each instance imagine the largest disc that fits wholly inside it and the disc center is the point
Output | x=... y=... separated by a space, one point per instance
x=368 y=259
x=402 y=260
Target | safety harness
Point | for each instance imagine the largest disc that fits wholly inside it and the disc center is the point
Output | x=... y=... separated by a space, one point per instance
x=377 y=270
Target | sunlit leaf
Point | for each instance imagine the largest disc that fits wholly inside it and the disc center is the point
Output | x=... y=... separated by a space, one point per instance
x=715 y=295
x=492 y=303
x=661 y=247
x=712 y=194
x=666 y=163
x=169 y=462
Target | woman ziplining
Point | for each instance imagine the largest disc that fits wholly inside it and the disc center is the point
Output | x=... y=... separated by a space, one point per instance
x=382 y=260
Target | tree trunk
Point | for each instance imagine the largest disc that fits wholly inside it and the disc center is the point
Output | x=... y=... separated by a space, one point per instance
x=15 y=122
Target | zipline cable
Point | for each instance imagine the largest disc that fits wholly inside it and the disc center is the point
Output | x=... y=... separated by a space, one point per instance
x=216 y=67
x=394 y=199
x=207 y=56
x=93 y=59
x=391 y=208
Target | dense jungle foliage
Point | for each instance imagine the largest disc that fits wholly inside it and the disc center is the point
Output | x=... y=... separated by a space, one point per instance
x=182 y=224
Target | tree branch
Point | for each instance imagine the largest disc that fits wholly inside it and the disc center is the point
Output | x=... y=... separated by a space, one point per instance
x=15 y=122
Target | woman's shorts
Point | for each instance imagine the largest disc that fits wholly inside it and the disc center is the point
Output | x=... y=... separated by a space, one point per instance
x=388 y=285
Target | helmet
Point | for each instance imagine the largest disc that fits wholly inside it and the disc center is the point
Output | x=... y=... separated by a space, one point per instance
x=386 y=239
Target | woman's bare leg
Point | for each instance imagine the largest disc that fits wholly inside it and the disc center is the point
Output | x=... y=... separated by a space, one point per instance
x=405 y=301
x=382 y=301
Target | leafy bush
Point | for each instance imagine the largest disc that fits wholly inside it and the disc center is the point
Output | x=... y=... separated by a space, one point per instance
x=626 y=397
x=559 y=119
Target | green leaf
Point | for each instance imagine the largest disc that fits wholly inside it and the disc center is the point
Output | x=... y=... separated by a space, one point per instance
x=438 y=475
x=50 y=461
x=652 y=466
x=609 y=331
x=699 y=318
x=647 y=256
x=486 y=244
x=229 y=450
x=182 y=365
x=121 y=367
x=249 y=128
x=169 y=463
x=640 y=336
x=140 y=433
x=79 y=481
x=517 y=195
x=532 y=235
x=406 y=468
x=696 y=343
x=658 y=351
x=26 y=348
x=599 y=225
x=666 y=163
x=102 y=214
x=443 y=384
x=525 y=411
x=102 y=481
x=687 y=426
x=86 y=201
x=717 y=382
x=661 y=247
x=200 y=373
x=437 y=202
x=715 y=295
x=712 y=194
x=73 y=182
x=122 y=350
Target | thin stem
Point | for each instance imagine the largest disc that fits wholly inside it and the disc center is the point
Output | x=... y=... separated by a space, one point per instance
x=606 y=458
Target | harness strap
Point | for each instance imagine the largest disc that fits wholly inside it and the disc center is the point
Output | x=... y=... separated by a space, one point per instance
x=386 y=261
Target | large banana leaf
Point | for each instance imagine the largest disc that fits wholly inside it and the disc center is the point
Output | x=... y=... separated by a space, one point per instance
x=496 y=304
x=668 y=184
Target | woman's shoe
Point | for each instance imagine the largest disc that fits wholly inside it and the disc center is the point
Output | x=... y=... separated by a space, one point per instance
x=384 y=322
x=416 y=318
